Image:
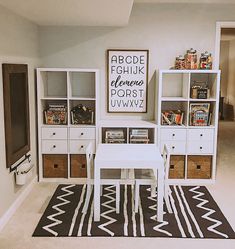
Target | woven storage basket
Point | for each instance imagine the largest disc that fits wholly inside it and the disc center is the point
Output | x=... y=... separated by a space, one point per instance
x=55 y=166
x=177 y=165
x=78 y=166
x=199 y=167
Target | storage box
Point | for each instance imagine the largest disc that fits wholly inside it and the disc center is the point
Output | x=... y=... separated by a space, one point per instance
x=177 y=166
x=55 y=166
x=199 y=167
x=78 y=166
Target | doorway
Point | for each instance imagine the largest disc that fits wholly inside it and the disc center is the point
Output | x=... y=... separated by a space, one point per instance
x=225 y=61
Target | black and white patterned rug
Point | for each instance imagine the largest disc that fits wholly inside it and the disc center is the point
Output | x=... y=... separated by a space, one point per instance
x=195 y=215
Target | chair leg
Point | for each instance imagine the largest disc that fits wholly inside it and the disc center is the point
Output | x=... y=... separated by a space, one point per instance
x=118 y=197
x=167 y=200
x=101 y=190
x=137 y=190
x=88 y=196
x=153 y=190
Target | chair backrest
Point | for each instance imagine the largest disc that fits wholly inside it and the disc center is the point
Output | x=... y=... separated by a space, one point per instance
x=89 y=160
x=166 y=158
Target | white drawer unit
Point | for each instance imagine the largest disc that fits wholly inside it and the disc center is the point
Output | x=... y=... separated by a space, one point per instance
x=82 y=133
x=175 y=147
x=201 y=134
x=54 y=133
x=173 y=134
x=79 y=146
x=54 y=146
x=200 y=147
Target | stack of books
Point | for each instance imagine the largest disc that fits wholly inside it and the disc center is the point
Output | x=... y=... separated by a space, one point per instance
x=114 y=136
x=56 y=115
x=200 y=114
x=172 y=117
x=139 y=136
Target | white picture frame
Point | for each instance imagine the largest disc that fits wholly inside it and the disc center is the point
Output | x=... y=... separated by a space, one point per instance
x=127 y=78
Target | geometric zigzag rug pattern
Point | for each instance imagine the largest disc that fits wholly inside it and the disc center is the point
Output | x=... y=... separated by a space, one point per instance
x=195 y=214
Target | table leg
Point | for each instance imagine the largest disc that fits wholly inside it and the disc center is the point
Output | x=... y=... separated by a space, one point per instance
x=160 y=193
x=96 y=193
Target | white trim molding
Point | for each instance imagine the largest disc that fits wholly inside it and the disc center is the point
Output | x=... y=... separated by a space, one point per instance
x=15 y=205
x=219 y=26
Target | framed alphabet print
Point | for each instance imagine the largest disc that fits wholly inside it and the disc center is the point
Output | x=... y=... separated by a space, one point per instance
x=127 y=76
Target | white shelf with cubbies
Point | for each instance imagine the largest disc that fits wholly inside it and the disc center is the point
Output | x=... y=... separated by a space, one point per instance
x=187 y=118
x=68 y=112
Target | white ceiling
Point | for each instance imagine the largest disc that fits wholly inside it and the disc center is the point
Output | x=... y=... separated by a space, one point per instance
x=83 y=12
x=72 y=12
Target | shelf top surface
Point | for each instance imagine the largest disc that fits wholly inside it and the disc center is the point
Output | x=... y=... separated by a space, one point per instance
x=92 y=70
x=128 y=123
x=186 y=127
x=188 y=71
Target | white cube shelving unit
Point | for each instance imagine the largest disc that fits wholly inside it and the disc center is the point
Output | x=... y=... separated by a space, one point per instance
x=68 y=87
x=187 y=140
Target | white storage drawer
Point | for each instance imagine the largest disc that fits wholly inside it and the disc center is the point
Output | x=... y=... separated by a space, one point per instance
x=173 y=134
x=82 y=133
x=175 y=147
x=200 y=147
x=79 y=146
x=201 y=134
x=54 y=146
x=54 y=133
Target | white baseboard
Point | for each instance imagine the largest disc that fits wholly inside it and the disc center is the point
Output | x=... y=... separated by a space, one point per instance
x=15 y=205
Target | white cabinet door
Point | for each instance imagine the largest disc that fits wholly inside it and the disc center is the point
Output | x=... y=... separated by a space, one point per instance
x=200 y=147
x=54 y=133
x=201 y=134
x=79 y=146
x=82 y=133
x=175 y=147
x=54 y=147
x=173 y=134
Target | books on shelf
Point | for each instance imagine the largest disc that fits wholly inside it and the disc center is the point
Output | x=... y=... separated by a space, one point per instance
x=172 y=117
x=114 y=136
x=138 y=136
x=200 y=114
x=56 y=115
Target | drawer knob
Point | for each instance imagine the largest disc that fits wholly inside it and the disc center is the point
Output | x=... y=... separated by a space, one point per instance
x=173 y=135
x=53 y=133
x=82 y=133
x=173 y=147
x=82 y=146
x=200 y=147
x=172 y=166
x=56 y=166
x=201 y=135
x=54 y=146
x=198 y=166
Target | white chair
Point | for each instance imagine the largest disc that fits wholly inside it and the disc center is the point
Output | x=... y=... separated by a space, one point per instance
x=106 y=179
x=148 y=178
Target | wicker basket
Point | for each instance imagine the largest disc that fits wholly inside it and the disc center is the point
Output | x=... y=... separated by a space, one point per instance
x=177 y=166
x=199 y=167
x=55 y=166
x=78 y=166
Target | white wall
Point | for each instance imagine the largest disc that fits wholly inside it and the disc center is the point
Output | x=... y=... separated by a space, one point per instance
x=167 y=30
x=19 y=44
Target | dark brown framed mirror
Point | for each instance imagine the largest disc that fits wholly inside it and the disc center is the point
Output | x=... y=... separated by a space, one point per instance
x=16 y=111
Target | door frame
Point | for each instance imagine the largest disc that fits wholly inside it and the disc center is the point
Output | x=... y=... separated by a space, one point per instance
x=219 y=26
